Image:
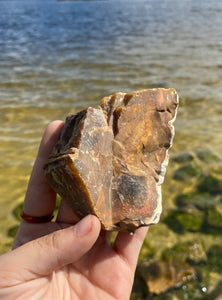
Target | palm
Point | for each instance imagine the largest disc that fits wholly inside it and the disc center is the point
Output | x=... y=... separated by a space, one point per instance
x=90 y=272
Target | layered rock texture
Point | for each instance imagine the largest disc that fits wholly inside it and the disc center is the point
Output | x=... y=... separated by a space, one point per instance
x=111 y=161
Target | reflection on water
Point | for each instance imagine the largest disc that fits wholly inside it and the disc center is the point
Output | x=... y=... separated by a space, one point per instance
x=60 y=57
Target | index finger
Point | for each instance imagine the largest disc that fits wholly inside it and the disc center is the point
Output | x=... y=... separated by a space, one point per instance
x=40 y=198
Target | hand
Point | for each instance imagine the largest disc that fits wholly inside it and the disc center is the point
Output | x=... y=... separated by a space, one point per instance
x=66 y=259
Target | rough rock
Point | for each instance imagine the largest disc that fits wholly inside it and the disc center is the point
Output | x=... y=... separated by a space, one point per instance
x=111 y=161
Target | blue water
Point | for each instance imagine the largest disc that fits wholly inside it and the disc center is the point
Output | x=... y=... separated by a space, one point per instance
x=104 y=46
x=67 y=55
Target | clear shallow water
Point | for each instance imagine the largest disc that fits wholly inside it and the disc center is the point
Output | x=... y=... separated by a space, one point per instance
x=59 y=57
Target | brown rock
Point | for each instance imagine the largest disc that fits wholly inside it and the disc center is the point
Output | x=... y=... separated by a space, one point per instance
x=161 y=276
x=111 y=161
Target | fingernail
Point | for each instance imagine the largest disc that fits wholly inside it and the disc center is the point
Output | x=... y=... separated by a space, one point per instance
x=83 y=226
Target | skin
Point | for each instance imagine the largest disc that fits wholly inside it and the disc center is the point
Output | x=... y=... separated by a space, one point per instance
x=67 y=258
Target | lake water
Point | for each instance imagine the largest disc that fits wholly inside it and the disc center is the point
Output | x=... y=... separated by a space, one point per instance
x=59 y=57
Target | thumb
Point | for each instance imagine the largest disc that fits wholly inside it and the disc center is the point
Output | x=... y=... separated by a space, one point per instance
x=44 y=255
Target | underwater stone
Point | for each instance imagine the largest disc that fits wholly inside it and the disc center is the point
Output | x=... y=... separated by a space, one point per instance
x=178 y=253
x=187 y=172
x=199 y=200
x=190 y=219
x=111 y=161
x=214 y=258
x=190 y=251
x=183 y=158
x=214 y=216
x=207 y=156
x=161 y=276
x=210 y=184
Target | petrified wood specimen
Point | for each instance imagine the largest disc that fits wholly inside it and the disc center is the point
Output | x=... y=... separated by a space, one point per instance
x=111 y=161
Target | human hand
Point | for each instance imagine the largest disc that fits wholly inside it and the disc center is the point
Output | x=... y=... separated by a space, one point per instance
x=66 y=259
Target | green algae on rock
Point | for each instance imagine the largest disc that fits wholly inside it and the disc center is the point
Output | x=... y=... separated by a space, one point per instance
x=214 y=217
x=207 y=156
x=210 y=184
x=199 y=200
x=190 y=219
x=187 y=172
x=214 y=258
x=183 y=158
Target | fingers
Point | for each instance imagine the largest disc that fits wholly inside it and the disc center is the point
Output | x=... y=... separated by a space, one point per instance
x=65 y=214
x=40 y=198
x=43 y=256
x=128 y=246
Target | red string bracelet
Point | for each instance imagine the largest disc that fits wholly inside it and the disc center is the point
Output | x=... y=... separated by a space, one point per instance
x=32 y=219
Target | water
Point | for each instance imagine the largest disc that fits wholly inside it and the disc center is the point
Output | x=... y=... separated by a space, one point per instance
x=60 y=57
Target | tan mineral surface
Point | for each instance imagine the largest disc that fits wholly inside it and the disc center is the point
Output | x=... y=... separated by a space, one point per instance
x=111 y=161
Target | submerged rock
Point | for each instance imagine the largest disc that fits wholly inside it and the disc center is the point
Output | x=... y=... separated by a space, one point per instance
x=190 y=251
x=214 y=258
x=183 y=158
x=188 y=219
x=214 y=217
x=111 y=161
x=187 y=172
x=200 y=200
x=161 y=276
x=207 y=156
x=210 y=184
x=191 y=220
